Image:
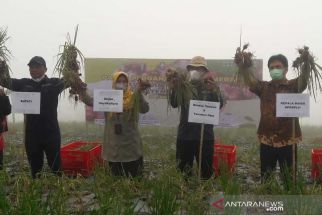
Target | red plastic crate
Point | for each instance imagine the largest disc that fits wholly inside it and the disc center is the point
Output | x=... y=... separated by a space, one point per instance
x=75 y=161
x=225 y=158
x=316 y=171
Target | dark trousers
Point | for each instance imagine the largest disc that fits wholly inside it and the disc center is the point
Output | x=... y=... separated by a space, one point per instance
x=270 y=155
x=188 y=150
x=1 y=159
x=128 y=169
x=35 y=149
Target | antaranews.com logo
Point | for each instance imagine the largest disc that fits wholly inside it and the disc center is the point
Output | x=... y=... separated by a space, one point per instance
x=220 y=203
x=268 y=205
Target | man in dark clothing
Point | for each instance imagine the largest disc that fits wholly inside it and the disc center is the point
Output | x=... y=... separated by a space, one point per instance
x=188 y=138
x=5 y=109
x=42 y=133
x=275 y=133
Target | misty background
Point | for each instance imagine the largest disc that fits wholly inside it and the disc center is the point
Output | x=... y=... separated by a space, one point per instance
x=160 y=29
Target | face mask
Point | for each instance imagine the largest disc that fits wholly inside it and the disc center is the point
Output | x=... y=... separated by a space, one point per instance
x=194 y=75
x=276 y=74
x=38 y=79
x=120 y=86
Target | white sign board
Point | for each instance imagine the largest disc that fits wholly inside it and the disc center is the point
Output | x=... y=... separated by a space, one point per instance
x=204 y=112
x=25 y=102
x=292 y=105
x=108 y=101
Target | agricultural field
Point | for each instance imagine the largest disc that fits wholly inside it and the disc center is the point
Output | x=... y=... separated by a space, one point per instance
x=162 y=190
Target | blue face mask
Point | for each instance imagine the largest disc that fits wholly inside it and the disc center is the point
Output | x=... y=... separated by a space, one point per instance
x=276 y=74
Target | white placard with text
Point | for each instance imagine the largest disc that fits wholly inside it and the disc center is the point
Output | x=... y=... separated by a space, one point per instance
x=292 y=105
x=25 y=102
x=204 y=112
x=108 y=101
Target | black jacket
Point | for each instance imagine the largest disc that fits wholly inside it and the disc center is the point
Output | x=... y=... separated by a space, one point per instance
x=43 y=125
x=5 y=109
x=191 y=131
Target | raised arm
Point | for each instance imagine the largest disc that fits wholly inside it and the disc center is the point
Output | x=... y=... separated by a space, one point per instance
x=77 y=84
x=86 y=98
x=216 y=96
x=5 y=106
x=144 y=105
x=13 y=84
x=300 y=83
x=249 y=78
x=60 y=85
x=173 y=100
x=141 y=87
x=254 y=85
x=6 y=83
x=213 y=91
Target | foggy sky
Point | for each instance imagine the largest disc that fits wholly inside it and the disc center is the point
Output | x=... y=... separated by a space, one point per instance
x=160 y=29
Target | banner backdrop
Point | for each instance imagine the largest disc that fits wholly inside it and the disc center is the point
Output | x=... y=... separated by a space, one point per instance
x=241 y=107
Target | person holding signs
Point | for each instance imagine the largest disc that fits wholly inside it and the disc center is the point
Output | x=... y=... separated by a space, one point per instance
x=275 y=134
x=122 y=144
x=198 y=84
x=42 y=133
x=5 y=109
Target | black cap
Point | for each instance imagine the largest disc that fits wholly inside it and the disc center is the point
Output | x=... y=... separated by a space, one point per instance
x=37 y=60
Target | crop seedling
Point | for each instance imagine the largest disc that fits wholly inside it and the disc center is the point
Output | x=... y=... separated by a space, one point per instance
x=305 y=64
x=68 y=67
x=178 y=84
x=4 y=58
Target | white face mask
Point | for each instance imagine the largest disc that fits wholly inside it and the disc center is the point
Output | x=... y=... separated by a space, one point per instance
x=194 y=75
x=38 y=79
x=120 y=86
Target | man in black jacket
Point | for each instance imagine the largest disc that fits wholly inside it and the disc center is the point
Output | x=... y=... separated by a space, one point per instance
x=188 y=137
x=42 y=132
x=5 y=109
